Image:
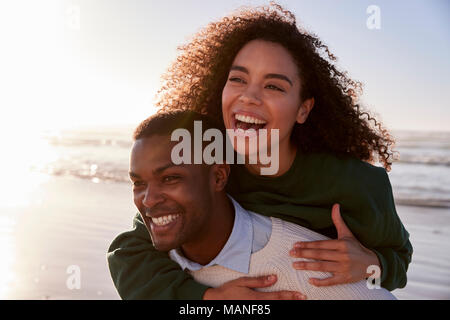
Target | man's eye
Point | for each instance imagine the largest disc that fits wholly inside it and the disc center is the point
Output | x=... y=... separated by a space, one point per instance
x=138 y=183
x=273 y=87
x=169 y=179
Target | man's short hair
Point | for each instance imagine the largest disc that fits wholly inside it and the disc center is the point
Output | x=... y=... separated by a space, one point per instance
x=164 y=123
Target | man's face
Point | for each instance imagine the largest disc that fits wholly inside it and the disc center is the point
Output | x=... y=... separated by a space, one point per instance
x=174 y=200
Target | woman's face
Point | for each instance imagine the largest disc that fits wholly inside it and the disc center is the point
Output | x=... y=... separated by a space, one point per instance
x=262 y=91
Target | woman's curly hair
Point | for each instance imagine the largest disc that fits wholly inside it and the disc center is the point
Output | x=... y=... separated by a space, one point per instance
x=337 y=124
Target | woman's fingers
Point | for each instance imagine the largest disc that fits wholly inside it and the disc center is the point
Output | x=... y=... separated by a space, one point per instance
x=279 y=295
x=331 y=281
x=324 y=266
x=243 y=289
x=255 y=282
x=317 y=254
x=262 y=282
x=322 y=244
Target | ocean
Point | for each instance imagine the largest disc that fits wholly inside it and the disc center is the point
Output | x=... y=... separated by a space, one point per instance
x=420 y=177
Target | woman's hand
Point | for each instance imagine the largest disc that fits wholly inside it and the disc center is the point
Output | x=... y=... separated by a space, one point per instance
x=242 y=289
x=346 y=258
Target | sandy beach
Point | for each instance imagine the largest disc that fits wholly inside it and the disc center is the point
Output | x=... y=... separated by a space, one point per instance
x=69 y=223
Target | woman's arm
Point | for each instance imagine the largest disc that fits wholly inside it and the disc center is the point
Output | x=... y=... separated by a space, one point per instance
x=374 y=230
x=349 y=260
x=393 y=248
x=139 y=271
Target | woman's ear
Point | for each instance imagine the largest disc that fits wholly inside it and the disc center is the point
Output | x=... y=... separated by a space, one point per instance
x=220 y=173
x=304 y=110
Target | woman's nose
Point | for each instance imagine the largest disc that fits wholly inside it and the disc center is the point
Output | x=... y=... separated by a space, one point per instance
x=251 y=96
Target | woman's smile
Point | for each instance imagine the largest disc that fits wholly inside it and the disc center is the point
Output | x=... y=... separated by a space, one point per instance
x=248 y=120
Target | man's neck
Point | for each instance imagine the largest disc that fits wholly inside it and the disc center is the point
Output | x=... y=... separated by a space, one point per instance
x=215 y=234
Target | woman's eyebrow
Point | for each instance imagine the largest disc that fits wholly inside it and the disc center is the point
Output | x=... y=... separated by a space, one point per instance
x=239 y=68
x=278 y=76
x=267 y=76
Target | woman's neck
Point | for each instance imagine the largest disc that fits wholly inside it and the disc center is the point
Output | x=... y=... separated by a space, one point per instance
x=287 y=154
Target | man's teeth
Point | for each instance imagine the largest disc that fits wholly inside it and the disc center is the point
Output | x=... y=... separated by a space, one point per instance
x=162 y=221
x=248 y=119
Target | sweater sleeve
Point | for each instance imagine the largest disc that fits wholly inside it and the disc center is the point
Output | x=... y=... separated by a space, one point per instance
x=394 y=264
x=379 y=228
x=395 y=252
x=139 y=271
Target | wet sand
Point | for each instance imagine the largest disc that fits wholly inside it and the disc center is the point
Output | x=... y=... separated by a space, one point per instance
x=70 y=222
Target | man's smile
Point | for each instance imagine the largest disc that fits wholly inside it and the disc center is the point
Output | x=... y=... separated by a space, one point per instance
x=164 y=220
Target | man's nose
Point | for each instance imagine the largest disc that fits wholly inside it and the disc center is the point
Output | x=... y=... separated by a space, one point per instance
x=152 y=197
x=251 y=95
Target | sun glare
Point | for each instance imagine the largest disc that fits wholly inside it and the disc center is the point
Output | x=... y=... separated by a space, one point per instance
x=7 y=248
x=24 y=155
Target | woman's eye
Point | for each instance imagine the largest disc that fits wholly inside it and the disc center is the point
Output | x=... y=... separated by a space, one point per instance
x=235 y=79
x=273 y=87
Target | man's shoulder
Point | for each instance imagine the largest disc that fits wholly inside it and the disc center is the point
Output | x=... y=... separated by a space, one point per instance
x=259 y=217
x=291 y=232
x=284 y=230
x=284 y=233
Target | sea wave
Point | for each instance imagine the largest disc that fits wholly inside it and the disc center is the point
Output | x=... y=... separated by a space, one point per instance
x=423 y=202
x=83 y=142
x=119 y=175
x=426 y=160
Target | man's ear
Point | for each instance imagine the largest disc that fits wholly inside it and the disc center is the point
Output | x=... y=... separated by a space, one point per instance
x=304 y=110
x=220 y=173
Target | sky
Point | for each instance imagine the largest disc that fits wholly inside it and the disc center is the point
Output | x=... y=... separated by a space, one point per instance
x=98 y=63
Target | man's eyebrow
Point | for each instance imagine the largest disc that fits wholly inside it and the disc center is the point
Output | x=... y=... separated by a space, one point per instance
x=164 y=167
x=267 y=76
x=157 y=171
x=134 y=175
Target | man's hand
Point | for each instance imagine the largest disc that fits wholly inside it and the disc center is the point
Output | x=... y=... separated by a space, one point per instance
x=346 y=258
x=242 y=289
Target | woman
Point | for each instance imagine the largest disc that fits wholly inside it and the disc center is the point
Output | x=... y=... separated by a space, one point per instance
x=256 y=69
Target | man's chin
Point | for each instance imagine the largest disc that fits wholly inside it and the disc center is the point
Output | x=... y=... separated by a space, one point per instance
x=163 y=246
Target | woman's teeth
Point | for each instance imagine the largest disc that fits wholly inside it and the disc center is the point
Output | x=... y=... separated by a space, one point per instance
x=248 y=119
x=162 y=221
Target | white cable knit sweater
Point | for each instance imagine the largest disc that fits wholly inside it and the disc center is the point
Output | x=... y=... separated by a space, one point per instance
x=274 y=259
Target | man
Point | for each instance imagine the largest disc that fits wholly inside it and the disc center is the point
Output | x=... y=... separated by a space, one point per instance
x=188 y=214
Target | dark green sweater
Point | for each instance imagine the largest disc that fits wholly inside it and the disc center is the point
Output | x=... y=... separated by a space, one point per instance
x=303 y=195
